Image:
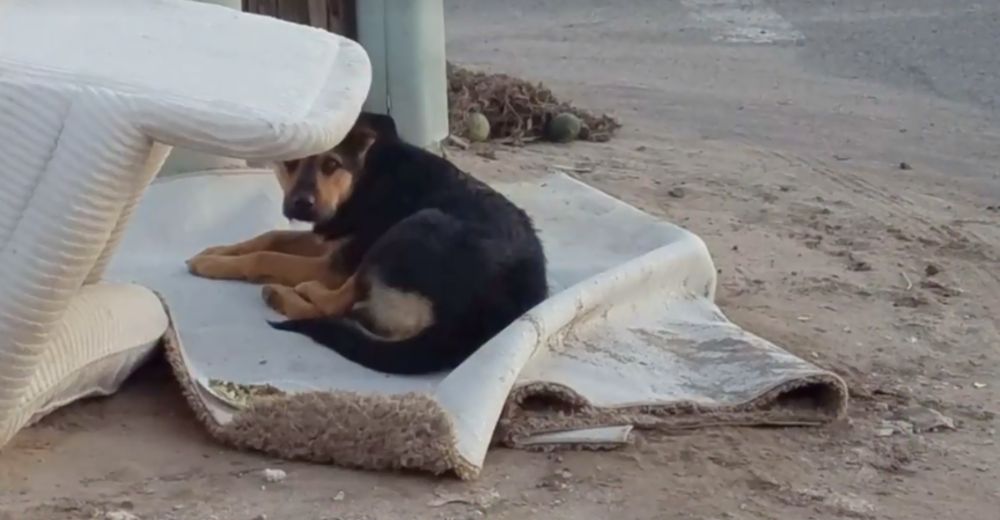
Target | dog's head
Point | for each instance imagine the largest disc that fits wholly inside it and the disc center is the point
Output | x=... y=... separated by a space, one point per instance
x=317 y=185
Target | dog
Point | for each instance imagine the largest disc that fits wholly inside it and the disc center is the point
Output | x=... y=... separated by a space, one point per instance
x=411 y=265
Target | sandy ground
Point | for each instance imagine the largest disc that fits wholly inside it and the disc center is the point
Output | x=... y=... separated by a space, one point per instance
x=825 y=245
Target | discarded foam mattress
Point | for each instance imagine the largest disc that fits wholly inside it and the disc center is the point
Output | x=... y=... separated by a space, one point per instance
x=629 y=337
x=93 y=94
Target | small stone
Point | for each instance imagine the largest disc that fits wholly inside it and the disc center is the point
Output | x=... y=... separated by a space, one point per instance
x=931 y=270
x=119 y=515
x=910 y=301
x=924 y=420
x=677 y=192
x=339 y=497
x=849 y=506
x=894 y=427
x=979 y=385
x=761 y=481
x=274 y=475
x=458 y=142
x=940 y=289
x=261 y=516
x=905 y=166
x=866 y=474
x=487 y=154
x=858 y=265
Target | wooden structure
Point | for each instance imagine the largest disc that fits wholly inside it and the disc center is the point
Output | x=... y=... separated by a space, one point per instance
x=337 y=16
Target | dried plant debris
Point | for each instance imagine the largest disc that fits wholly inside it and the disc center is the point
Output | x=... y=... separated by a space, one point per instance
x=518 y=111
x=242 y=395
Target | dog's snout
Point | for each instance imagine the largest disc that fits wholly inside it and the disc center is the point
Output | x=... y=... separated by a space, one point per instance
x=303 y=204
x=301 y=207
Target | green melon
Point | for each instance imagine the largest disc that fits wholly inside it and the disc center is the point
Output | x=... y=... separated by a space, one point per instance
x=563 y=128
x=477 y=127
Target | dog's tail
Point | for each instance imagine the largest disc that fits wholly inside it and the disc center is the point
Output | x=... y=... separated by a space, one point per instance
x=421 y=354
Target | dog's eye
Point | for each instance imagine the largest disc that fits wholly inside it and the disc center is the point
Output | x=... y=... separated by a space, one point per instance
x=291 y=166
x=329 y=165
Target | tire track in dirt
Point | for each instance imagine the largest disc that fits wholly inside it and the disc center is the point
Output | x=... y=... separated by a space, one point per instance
x=949 y=238
x=977 y=256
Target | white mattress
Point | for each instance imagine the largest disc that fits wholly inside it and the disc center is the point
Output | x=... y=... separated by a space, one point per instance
x=93 y=95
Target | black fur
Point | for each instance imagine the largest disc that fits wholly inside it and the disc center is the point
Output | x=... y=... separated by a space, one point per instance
x=421 y=225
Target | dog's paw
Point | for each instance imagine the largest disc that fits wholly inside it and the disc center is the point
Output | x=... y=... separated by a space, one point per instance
x=208 y=266
x=270 y=294
x=285 y=301
x=231 y=250
x=277 y=296
x=311 y=291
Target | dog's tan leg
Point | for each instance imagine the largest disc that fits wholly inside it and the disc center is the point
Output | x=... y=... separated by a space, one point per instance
x=267 y=267
x=289 y=303
x=330 y=302
x=302 y=243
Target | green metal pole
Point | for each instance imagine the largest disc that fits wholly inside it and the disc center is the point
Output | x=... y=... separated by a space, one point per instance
x=406 y=44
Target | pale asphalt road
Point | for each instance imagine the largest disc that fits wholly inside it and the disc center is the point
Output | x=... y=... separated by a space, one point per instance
x=880 y=81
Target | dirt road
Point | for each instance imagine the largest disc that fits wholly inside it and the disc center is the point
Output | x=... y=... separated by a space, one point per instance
x=828 y=244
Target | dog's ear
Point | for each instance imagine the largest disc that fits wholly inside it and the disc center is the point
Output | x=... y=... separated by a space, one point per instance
x=369 y=127
x=354 y=147
x=383 y=126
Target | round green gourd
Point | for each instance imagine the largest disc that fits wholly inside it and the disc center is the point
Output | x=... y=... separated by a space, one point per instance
x=563 y=128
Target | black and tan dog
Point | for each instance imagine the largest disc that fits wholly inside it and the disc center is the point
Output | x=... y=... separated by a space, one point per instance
x=411 y=266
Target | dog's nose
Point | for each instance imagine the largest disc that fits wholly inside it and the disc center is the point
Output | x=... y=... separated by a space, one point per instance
x=303 y=205
x=300 y=207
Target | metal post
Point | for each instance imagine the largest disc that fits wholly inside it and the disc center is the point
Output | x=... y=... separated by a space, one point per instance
x=405 y=41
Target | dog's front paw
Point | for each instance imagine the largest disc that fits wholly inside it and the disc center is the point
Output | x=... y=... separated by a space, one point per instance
x=231 y=250
x=272 y=296
x=208 y=266
x=285 y=301
x=311 y=291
